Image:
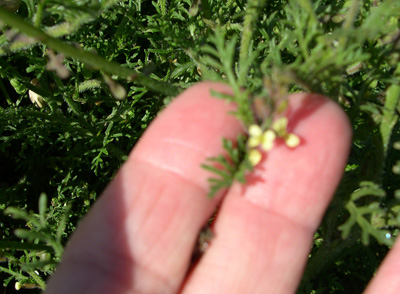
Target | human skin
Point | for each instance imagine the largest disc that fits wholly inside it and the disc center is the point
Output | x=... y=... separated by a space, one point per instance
x=139 y=236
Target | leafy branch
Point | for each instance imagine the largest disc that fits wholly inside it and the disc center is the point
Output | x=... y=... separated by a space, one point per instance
x=358 y=215
x=254 y=7
x=50 y=252
x=217 y=63
x=229 y=167
x=91 y=59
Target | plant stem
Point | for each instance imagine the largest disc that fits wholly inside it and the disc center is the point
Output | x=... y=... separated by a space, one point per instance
x=39 y=13
x=390 y=117
x=307 y=6
x=91 y=59
x=252 y=11
x=23 y=246
x=37 y=279
x=351 y=15
x=12 y=273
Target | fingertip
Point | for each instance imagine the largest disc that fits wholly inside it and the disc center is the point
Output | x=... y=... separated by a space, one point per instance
x=319 y=112
x=300 y=181
x=283 y=199
x=188 y=131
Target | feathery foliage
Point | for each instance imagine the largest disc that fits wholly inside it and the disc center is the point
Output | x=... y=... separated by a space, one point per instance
x=97 y=72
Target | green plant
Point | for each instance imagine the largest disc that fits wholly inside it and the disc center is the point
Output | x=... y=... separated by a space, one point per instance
x=43 y=249
x=101 y=84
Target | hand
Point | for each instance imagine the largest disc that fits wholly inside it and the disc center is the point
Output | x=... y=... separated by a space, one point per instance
x=140 y=235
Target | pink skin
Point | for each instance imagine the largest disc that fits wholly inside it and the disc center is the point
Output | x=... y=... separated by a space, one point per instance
x=140 y=235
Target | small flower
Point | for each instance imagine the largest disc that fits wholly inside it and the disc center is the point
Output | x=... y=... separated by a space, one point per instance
x=258 y=137
x=255 y=133
x=266 y=139
x=292 y=140
x=280 y=127
x=254 y=156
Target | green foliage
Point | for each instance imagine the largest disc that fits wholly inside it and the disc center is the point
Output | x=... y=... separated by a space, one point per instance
x=335 y=49
x=229 y=167
x=101 y=70
x=221 y=62
x=44 y=248
x=357 y=215
x=71 y=147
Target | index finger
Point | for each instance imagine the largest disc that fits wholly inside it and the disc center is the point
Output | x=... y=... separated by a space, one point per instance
x=140 y=234
x=264 y=229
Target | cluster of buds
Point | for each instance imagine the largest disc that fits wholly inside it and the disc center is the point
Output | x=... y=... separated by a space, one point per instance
x=266 y=138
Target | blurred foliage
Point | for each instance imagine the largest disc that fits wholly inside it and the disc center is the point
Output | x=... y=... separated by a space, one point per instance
x=68 y=120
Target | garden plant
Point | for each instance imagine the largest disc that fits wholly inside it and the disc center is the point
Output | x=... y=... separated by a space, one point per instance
x=81 y=80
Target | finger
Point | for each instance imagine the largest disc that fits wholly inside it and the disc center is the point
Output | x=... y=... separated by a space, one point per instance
x=387 y=279
x=264 y=230
x=139 y=236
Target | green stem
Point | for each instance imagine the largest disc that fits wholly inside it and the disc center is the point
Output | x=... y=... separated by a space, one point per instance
x=163 y=7
x=12 y=273
x=93 y=60
x=351 y=15
x=14 y=245
x=349 y=21
x=39 y=13
x=307 y=6
x=390 y=117
x=252 y=11
x=37 y=279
